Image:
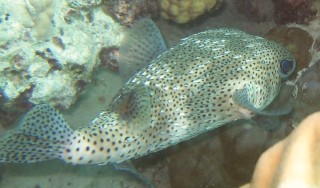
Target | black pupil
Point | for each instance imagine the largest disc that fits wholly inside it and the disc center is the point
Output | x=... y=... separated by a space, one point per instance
x=286 y=66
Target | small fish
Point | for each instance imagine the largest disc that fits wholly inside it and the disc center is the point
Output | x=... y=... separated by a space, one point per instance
x=207 y=80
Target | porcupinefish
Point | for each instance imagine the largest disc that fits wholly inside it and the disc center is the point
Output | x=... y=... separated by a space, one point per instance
x=207 y=80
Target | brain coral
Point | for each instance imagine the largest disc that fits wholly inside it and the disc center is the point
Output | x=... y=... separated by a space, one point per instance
x=183 y=11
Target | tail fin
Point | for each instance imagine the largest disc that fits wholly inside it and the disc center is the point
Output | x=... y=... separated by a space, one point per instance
x=142 y=43
x=39 y=137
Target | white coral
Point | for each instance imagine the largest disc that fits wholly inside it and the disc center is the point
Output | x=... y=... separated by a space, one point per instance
x=48 y=46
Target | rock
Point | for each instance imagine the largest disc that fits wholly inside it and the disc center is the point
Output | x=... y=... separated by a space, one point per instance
x=256 y=10
x=48 y=48
x=298 y=41
x=223 y=158
x=294 y=11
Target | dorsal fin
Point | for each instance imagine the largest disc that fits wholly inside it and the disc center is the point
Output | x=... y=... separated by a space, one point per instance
x=134 y=107
x=141 y=44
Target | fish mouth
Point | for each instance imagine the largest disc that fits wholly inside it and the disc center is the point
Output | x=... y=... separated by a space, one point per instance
x=245 y=113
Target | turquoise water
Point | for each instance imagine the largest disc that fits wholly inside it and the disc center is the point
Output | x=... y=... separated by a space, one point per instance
x=63 y=69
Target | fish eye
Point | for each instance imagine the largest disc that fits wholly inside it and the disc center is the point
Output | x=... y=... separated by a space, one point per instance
x=287 y=66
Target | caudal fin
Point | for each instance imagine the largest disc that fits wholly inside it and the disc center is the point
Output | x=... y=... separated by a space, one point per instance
x=40 y=136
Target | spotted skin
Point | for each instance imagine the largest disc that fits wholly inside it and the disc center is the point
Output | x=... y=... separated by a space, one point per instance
x=209 y=79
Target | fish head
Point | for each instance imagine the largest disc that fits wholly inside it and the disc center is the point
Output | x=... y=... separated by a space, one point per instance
x=270 y=65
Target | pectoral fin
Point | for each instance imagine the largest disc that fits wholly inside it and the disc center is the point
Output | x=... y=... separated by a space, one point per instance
x=134 y=107
x=241 y=98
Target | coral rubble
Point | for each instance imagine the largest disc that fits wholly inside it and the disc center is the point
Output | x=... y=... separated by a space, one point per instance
x=294 y=11
x=49 y=49
x=109 y=58
x=256 y=10
x=127 y=11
